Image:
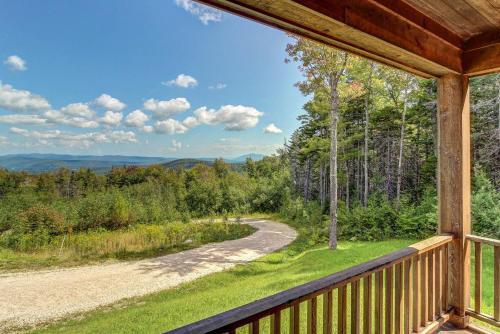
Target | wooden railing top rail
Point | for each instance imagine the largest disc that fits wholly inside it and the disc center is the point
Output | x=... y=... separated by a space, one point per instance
x=258 y=309
x=484 y=240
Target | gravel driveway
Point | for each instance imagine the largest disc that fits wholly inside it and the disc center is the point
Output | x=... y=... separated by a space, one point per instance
x=30 y=298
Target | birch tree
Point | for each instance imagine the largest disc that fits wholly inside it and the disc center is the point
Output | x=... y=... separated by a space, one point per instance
x=323 y=69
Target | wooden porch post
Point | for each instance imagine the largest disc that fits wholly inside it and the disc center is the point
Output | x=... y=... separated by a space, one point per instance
x=454 y=185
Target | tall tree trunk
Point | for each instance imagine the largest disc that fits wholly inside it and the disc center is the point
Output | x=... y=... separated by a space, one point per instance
x=388 y=170
x=334 y=117
x=367 y=125
x=307 y=180
x=347 y=194
x=417 y=176
x=400 y=157
x=322 y=185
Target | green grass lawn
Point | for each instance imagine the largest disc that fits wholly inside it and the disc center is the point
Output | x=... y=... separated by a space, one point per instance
x=299 y=263
x=487 y=283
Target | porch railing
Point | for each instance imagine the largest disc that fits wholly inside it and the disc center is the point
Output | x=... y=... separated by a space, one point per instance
x=402 y=292
x=477 y=311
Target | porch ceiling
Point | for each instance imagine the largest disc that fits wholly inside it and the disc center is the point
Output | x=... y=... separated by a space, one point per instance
x=427 y=37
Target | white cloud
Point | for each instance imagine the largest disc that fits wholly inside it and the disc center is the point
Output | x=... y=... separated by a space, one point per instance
x=273 y=129
x=111 y=118
x=15 y=63
x=21 y=100
x=58 y=117
x=170 y=126
x=23 y=119
x=77 y=139
x=175 y=146
x=218 y=86
x=147 y=129
x=234 y=118
x=136 y=119
x=164 y=109
x=121 y=136
x=190 y=122
x=3 y=140
x=205 y=14
x=182 y=80
x=110 y=103
x=78 y=110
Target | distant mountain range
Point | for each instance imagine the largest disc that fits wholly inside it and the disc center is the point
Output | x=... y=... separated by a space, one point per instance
x=37 y=163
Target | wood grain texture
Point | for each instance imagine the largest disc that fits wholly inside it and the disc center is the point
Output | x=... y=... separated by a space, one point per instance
x=408 y=295
x=294 y=319
x=342 y=310
x=417 y=294
x=430 y=286
x=478 y=281
x=328 y=312
x=445 y=286
x=466 y=18
x=389 y=302
x=423 y=290
x=355 y=308
x=398 y=298
x=437 y=282
x=379 y=302
x=367 y=305
x=275 y=326
x=454 y=185
x=312 y=319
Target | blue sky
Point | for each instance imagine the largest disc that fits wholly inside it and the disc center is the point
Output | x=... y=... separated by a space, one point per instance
x=153 y=78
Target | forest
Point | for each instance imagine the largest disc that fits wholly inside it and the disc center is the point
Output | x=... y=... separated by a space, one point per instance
x=363 y=160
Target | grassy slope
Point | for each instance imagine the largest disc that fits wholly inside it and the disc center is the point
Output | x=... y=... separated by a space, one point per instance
x=128 y=244
x=212 y=294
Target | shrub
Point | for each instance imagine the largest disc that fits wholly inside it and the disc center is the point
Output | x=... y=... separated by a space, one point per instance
x=485 y=207
x=41 y=217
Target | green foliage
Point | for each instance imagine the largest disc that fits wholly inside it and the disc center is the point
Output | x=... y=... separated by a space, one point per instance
x=375 y=222
x=485 y=207
x=38 y=210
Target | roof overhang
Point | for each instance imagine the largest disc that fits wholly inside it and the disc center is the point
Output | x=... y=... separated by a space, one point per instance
x=387 y=31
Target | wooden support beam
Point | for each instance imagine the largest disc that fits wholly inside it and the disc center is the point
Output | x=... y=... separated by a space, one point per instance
x=482 y=61
x=454 y=186
x=385 y=31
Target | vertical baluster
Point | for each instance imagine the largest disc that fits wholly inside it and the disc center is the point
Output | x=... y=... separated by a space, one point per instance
x=294 y=319
x=430 y=285
x=253 y=327
x=417 y=293
x=311 y=315
x=398 y=299
x=478 y=262
x=423 y=289
x=276 y=323
x=379 y=303
x=408 y=295
x=355 y=309
x=342 y=310
x=327 y=312
x=496 y=280
x=367 y=304
x=444 y=289
x=437 y=282
x=388 y=300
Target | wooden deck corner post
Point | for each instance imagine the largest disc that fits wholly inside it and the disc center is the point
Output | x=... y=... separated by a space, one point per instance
x=454 y=186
